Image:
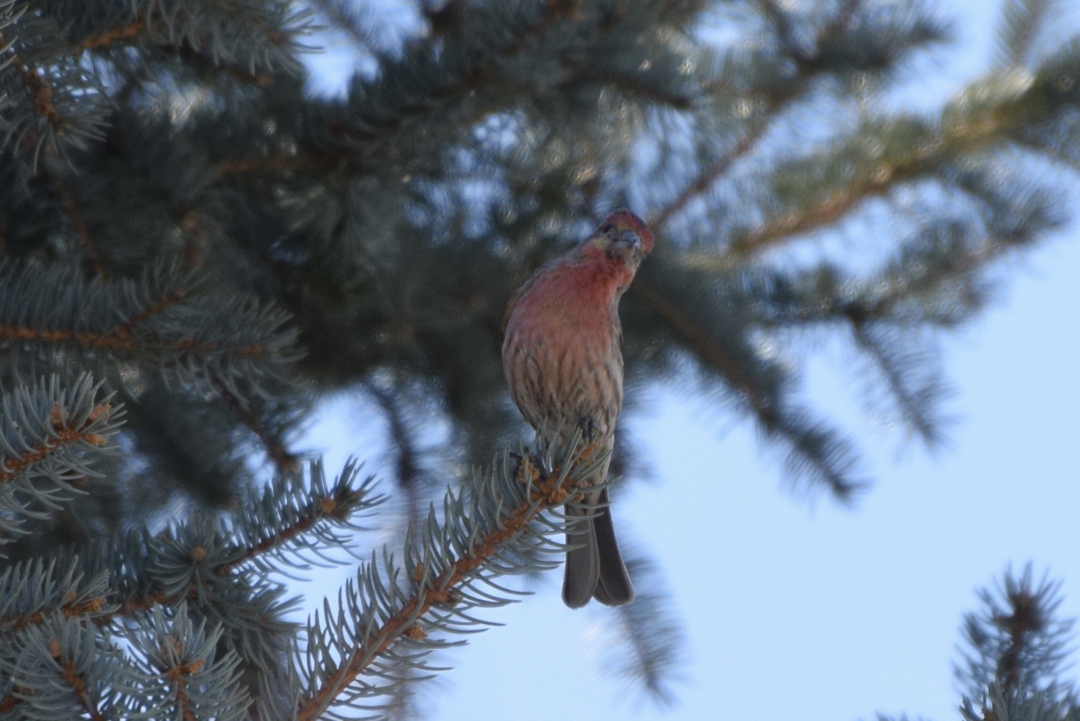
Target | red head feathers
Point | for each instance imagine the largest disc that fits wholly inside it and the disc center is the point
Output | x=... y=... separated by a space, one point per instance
x=623 y=219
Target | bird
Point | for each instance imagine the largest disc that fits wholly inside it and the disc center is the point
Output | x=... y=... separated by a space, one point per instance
x=562 y=358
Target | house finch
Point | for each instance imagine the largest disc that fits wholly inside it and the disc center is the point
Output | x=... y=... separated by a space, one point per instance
x=562 y=356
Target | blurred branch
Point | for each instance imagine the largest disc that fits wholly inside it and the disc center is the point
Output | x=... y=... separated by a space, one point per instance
x=775 y=106
x=115 y=34
x=78 y=223
x=1019 y=645
x=344 y=14
x=407 y=466
x=283 y=459
x=712 y=174
x=1021 y=21
x=814 y=450
x=700 y=341
x=649 y=647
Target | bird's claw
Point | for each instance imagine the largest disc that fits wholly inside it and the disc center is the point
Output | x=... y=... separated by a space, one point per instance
x=589 y=428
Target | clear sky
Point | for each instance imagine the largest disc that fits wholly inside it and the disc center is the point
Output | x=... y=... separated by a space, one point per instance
x=815 y=611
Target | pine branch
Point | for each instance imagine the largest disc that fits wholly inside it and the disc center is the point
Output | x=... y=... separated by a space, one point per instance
x=75 y=680
x=292 y=523
x=827 y=210
x=283 y=459
x=37 y=446
x=48 y=438
x=815 y=451
x=202 y=570
x=183 y=671
x=702 y=343
x=39 y=92
x=982 y=118
x=935 y=276
x=776 y=103
x=167 y=321
x=719 y=167
x=1017 y=644
x=503 y=526
x=648 y=648
x=407 y=471
x=914 y=383
x=78 y=222
x=34 y=591
x=63 y=668
x=56 y=108
x=248 y=40
x=465 y=74
x=125 y=30
x=1021 y=21
x=292 y=519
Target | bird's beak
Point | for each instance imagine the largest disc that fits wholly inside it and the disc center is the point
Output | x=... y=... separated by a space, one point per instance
x=627 y=247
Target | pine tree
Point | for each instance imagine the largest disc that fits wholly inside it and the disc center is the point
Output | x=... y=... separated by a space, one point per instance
x=1016 y=647
x=198 y=250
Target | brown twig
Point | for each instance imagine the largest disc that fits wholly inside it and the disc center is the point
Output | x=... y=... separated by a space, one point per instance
x=279 y=455
x=41 y=94
x=122 y=336
x=78 y=223
x=91 y=607
x=113 y=34
x=39 y=89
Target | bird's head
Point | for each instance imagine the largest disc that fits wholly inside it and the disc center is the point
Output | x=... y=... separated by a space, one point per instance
x=622 y=236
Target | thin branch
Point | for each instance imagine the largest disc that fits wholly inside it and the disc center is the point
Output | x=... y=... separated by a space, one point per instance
x=66 y=434
x=75 y=680
x=187 y=53
x=283 y=459
x=757 y=127
x=827 y=211
x=330 y=507
x=342 y=14
x=114 y=340
x=92 y=607
x=38 y=88
x=700 y=342
x=177 y=674
x=547 y=492
x=78 y=223
x=113 y=35
x=719 y=167
x=407 y=468
x=333 y=158
x=912 y=409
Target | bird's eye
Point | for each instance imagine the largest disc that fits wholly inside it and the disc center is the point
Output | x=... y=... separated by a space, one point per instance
x=606 y=228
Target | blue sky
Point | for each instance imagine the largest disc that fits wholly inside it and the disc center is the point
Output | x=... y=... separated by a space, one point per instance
x=817 y=611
